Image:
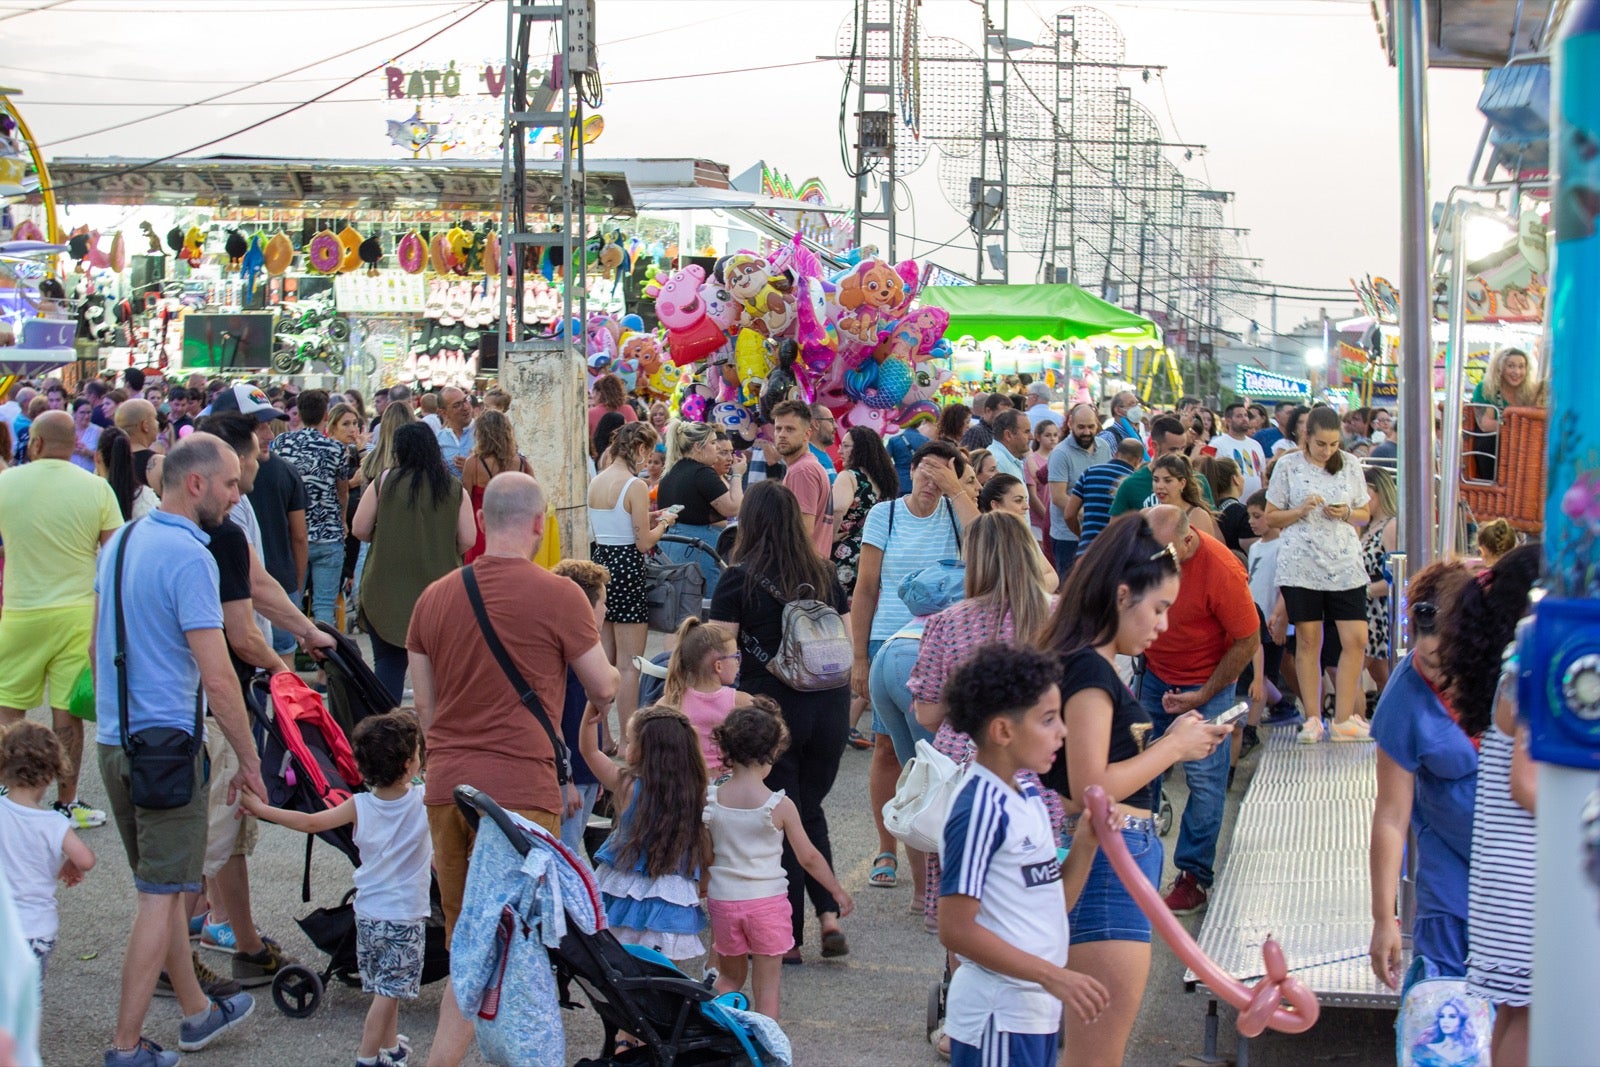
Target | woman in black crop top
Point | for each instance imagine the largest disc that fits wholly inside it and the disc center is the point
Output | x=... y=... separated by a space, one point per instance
x=1115 y=603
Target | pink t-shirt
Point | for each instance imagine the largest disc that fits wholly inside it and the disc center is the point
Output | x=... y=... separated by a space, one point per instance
x=809 y=483
x=947 y=641
x=705 y=712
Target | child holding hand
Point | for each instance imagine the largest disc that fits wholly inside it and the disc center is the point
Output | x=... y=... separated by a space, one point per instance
x=391 y=834
x=37 y=845
x=1003 y=891
x=747 y=891
x=700 y=678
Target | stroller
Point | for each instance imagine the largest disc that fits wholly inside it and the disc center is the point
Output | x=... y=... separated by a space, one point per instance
x=677 y=588
x=681 y=1022
x=307 y=765
x=354 y=692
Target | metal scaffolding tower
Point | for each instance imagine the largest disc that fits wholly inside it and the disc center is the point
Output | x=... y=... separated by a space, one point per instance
x=990 y=218
x=874 y=58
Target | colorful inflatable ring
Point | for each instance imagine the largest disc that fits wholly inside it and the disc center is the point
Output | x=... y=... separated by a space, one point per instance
x=412 y=254
x=440 y=256
x=325 y=253
x=278 y=255
x=350 y=249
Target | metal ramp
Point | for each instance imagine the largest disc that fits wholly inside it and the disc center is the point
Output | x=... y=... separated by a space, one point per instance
x=1297 y=871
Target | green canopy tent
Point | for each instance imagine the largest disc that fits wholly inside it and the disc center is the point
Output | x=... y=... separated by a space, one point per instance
x=1038 y=313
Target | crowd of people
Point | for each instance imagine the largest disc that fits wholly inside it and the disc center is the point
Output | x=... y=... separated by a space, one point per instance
x=1009 y=573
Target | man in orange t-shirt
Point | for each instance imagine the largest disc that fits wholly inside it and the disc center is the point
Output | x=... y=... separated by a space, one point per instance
x=1212 y=631
x=476 y=728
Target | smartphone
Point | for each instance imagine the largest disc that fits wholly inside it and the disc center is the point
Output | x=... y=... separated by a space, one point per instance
x=1233 y=714
x=674 y=509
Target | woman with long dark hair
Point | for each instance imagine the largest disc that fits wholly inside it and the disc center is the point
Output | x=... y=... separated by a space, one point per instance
x=494 y=451
x=1427 y=774
x=866 y=476
x=1315 y=496
x=418 y=522
x=1501 y=879
x=1115 y=603
x=113 y=459
x=774 y=562
x=1173 y=481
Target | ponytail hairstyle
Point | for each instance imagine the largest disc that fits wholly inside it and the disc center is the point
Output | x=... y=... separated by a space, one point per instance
x=1124 y=554
x=1475 y=630
x=116 y=455
x=696 y=641
x=664 y=825
x=684 y=437
x=1219 y=473
x=1177 y=465
x=995 y=488
x=1496 y=539
x=1323 y=417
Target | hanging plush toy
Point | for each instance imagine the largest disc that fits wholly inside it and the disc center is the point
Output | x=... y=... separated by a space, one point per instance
x=194 y=242
x=235 y=246
x=324 y=253
x=279 y=254
x=371 y=253
x=251 y=264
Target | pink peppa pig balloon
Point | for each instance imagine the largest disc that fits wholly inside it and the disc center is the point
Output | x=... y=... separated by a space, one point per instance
x=678 y=303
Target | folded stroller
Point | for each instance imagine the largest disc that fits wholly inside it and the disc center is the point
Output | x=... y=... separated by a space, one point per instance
x=307 y=765
x=681 y=1022
x=354 y=692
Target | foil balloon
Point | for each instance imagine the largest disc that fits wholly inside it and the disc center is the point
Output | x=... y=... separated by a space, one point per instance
x=734 y=419
x=868 y=296
x=721 y=307
x=754 y=362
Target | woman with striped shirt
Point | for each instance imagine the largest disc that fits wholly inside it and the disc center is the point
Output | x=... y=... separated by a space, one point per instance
x=1500 y=889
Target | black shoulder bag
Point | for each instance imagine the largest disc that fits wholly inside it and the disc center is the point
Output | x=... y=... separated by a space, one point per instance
x=525 y=693
x=160 y=758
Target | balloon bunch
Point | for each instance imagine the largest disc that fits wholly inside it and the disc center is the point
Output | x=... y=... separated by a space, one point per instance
x=762 y=328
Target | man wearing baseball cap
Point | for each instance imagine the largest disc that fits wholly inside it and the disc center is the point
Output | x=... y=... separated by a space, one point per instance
x=246 y=399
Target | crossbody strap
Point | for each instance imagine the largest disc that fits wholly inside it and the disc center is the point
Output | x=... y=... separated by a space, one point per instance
x=525 y=693
x=120 y=659
x=762 y=655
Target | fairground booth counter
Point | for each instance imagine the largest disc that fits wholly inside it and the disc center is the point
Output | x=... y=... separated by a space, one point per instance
x=346 y=273
x=1081 y=346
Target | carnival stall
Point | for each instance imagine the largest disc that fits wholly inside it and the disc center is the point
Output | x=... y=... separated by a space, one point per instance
x=1061 y=334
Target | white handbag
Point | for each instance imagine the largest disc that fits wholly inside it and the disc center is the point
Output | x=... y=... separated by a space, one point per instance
x=927 y=788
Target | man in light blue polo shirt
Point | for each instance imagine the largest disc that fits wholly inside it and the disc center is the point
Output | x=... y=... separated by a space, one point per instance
x=455 y=431
x=1082 y=447
x=174 y=647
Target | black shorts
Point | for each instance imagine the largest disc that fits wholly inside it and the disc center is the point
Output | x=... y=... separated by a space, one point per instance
x=1318 y=605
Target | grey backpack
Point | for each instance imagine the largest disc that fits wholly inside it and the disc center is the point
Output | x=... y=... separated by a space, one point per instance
x=815 y=652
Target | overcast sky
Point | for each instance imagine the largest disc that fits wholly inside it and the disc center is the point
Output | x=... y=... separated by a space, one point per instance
x=1293 y=97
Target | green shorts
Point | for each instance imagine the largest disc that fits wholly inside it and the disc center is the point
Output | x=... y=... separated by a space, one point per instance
x=40 y=646
x=166 y=849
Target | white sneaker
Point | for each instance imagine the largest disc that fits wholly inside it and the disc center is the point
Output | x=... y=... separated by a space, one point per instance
x=1311 y=732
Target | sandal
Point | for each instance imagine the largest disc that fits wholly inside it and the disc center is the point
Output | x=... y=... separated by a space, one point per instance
x=859 y=741
x=792 y=958
x=885 y=871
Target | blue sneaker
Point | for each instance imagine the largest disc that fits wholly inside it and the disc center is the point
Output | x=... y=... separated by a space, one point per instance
x=146 y=1054
x=224 y=1016
x=197 y=924
x=218 y=936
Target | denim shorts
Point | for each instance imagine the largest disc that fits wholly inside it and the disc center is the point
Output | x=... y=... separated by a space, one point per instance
x=891 y=700
x=1105 y=911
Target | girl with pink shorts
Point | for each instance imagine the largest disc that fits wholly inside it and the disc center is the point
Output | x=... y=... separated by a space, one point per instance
x=748 y=892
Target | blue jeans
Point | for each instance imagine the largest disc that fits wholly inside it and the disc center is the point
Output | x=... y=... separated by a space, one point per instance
x=572 y=828
x=891 y=700
x=324 y=568
x=1208 y=780
x=1066 y=552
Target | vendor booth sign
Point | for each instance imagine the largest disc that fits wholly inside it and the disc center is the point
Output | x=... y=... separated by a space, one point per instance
x=1264 y=385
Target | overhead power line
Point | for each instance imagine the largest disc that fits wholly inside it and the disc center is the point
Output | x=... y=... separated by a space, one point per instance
x=266 y=81
x=147 y=164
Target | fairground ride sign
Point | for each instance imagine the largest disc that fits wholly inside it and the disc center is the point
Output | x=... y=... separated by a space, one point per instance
x=1264 y=385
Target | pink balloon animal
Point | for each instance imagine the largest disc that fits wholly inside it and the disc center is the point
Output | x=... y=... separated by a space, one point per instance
x=1279 y=1000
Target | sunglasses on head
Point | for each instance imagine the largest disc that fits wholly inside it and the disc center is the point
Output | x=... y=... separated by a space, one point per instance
x=1426 y=613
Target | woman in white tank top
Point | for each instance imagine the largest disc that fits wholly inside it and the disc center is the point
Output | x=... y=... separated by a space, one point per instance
x=624 y=529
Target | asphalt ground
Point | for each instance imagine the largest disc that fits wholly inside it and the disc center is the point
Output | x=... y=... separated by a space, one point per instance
x=866 y=1008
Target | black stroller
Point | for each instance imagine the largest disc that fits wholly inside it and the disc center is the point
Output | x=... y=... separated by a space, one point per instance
x=681 y=1022
x=307 y=765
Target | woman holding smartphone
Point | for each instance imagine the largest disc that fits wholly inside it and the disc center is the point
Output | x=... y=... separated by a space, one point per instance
x=1316 y=497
